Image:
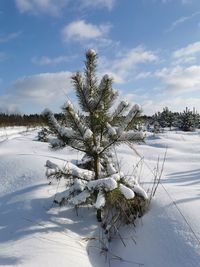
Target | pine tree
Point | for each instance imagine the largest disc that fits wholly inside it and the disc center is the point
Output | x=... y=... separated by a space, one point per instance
x=187 y=120
x=164 y=118
x=167 y=118
x=95 y=132
x=196 y=118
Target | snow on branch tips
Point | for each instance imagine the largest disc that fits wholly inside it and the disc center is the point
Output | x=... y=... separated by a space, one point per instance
x=76 y=121
x=127 y=192
x=68 y=171
x=123 y=105
x=133 y=113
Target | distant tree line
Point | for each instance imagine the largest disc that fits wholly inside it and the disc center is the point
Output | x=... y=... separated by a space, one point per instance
x=31 y=120
x=188 y=120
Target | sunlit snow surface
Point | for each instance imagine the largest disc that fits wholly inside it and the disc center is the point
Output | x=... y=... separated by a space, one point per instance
x=33 y=233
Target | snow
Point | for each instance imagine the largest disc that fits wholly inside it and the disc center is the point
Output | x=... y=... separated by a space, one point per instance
x=88 y=134
x=110 y=168
x=80 y=198
x=65 y=131
x=108 y=184
x=76 y=171
x=131 y=114
x=140 y=191
x=100 y=202
x=69 y=169
x=79 y=185
x=55 y=142
x=117 y=176
x=68 y=105
x=111 y=130
x=120 y=108
x=61 y=130
x=52 y=165
x=12 y=132
x=34 y=232
x=126 y=192
x=137 y=107
x=106 y=77
x=91 y=52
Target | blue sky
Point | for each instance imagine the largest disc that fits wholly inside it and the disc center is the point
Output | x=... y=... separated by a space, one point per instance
x=150 y=47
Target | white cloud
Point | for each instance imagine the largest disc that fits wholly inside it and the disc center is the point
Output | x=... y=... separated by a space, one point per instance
x=185 y=60
x=133 y=57
x=98 y=3
x=24 y=5
x=51 y=7
x=176 y=104
x=180 y=79
x=184 y=2
x=119 y=79
x=80 y=30
x=43 y=88
x=122 y=68
x=189 y=50
x=44 y=60
x=55 y=7
x=187 y=55
x=7 y=107
x=143 y=75
x=40 y=90
x=182 y=20
x=153 y=103
x=9 y=37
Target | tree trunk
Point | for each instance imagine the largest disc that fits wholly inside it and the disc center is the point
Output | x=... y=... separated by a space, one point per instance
x=98 y=215
x=96 y=170
x=96 y=167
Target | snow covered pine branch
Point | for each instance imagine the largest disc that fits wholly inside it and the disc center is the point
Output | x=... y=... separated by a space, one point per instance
x=95 y=132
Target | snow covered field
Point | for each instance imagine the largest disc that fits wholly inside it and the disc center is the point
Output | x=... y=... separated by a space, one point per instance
x=11 y=132
x=35 y=233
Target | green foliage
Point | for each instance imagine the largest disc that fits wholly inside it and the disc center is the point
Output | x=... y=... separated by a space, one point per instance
x=43 y=134
x=186 y=120
x=164 y=118
x=135 y=206
x=119 y=210
x=95 y=130
x=31 y=120
x=98 y=128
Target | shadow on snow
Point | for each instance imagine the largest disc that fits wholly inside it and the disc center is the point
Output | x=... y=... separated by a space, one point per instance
x=23 y=217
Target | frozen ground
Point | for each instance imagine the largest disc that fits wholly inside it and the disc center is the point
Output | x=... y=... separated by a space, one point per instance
x=33 y=233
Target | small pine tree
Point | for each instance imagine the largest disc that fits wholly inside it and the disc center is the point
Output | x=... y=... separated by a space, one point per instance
x=167 y=118
x=196 y=118
x=95 y=132
x=187 y=120
x=156 y=127
x=44 y=134
x=164 y=118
